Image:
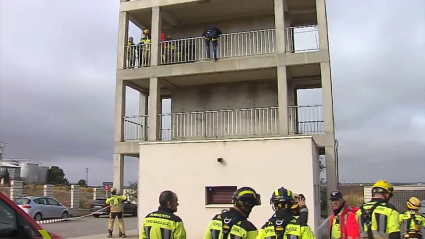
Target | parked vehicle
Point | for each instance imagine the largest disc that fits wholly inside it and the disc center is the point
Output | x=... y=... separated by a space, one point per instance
x=422 y=209
x=15 y=223
x=41 y=208
x=99 y=203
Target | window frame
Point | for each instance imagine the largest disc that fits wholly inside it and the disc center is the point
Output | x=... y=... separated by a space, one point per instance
x=212 y=192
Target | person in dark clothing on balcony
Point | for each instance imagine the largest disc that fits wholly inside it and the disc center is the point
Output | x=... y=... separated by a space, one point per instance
x=211 y=35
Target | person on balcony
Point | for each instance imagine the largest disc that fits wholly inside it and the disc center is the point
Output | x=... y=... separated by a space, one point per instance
x=211 y=35
x=144 y=48
x=131 y=53
x=343 y=223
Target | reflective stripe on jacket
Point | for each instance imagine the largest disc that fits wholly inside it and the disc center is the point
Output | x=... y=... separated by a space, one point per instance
x=162 y=224
x=116 y=202
x=242 y=229
x=344 y=225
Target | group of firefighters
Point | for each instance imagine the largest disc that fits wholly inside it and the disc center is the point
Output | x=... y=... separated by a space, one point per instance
x=140 y=52
x=376 y=219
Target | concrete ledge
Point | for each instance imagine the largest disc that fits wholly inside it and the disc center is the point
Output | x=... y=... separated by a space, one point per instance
x=126 y=148
x=200 y=67
x=306 y=58
x=324 y=140
x=146 y=4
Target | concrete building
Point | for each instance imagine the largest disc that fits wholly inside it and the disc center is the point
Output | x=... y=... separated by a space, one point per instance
x=235 y=122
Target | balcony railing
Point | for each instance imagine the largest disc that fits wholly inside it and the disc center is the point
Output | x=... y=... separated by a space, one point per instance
x=306 y=119
x=136 y=128
x=302 y=39
x=229 y=45
x=138 y=56
x=255 y=122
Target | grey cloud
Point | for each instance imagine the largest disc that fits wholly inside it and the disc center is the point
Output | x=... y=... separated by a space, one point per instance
x=58 y=64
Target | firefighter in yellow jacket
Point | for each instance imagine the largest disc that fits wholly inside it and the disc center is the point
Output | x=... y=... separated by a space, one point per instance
x=116 y=210
x=163 y=223
x=284 y=223
x=233 y=223
x=378 y=218
x=412 y=221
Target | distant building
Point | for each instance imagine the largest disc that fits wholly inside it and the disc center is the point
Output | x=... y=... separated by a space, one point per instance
x=23 y=169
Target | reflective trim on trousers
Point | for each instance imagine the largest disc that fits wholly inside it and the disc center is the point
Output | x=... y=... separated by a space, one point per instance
x=376 y=235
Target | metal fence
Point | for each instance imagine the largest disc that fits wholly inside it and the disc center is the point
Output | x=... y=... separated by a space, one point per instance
x=302 y=39
x=220 y=123
x=306 y=119
x=229 y=45
x=136 y=127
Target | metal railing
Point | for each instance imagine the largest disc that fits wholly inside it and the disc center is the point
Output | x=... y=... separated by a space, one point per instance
x=306 y=119
x=229 y=45
x=219 y=124
x=302 y=39
x=138 y=56
x=136 y=128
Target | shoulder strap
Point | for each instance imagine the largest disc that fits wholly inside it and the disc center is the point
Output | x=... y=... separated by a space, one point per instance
x=367 y=218
x=280 y=224
x=227 y=224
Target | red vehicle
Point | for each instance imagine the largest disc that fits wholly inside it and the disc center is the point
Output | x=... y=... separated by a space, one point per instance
x=15 y=223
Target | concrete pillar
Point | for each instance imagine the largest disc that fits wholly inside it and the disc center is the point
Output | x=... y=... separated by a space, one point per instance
x=154 y=108
x=75 y=196
x=98 y=193
x=282 y=98
x=279 y=19
x=156 y=35
x=327 y=97
x=331 y=170
x=48 y=190
x=15 y=189
x=120 y=93
x=322 y=24
x=118 y=172
x=122 y=39
x=143 y=112
x=292 y=112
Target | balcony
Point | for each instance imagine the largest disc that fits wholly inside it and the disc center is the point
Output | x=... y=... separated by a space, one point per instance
x=235 y=123
x=239 y=44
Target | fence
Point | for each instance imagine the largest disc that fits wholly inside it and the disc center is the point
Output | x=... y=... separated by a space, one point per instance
x=138 y=56
x=220 y=123
x=136 y=127
x=306 y=119
x=302 y=39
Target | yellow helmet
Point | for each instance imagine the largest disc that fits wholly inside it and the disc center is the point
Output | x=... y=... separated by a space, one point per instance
x=382 y=186
x=295 y=205
x=413 y=203
x=146 y=31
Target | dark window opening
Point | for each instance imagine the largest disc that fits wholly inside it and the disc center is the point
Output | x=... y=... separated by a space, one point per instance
x=219 y=194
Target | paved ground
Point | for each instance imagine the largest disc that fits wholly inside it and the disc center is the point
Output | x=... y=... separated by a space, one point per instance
x=87 y=226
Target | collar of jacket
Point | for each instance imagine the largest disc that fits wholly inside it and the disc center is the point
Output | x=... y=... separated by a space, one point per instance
x=236 y=212
x=165 y=209
x=378 y=200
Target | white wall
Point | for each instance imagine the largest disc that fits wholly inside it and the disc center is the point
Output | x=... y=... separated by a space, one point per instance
x=188 y=167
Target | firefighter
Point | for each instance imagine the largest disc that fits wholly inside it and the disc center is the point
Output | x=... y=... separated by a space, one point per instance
x=211 y=35
x=284 y=224
x=343 y=223
x=163 y=223
x=299 y=209
x=116 y=210
x=144 y=48
x=233 y=223
x=412 y=221
x=378 y=218
x=131 y=53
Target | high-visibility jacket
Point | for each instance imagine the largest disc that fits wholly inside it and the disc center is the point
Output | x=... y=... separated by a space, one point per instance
x=412 y=223
x=162 y=224
x=384 y=220
x=277 y=228
x=232 y=223
x=344 y=225
x=116 y=202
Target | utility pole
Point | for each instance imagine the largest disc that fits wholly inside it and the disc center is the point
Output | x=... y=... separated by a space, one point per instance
x=87 y=176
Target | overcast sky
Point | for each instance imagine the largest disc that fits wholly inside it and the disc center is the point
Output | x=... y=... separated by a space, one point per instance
x=58 y=66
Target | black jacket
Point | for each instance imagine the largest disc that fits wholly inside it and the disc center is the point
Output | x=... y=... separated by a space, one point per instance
x=212 y=32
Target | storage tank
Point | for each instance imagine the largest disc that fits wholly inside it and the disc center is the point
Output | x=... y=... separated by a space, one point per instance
x=29 y=172
x=42 y=174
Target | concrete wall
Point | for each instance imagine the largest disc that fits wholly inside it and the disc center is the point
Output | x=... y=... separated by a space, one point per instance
x=188 y=167
x=226 y=26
